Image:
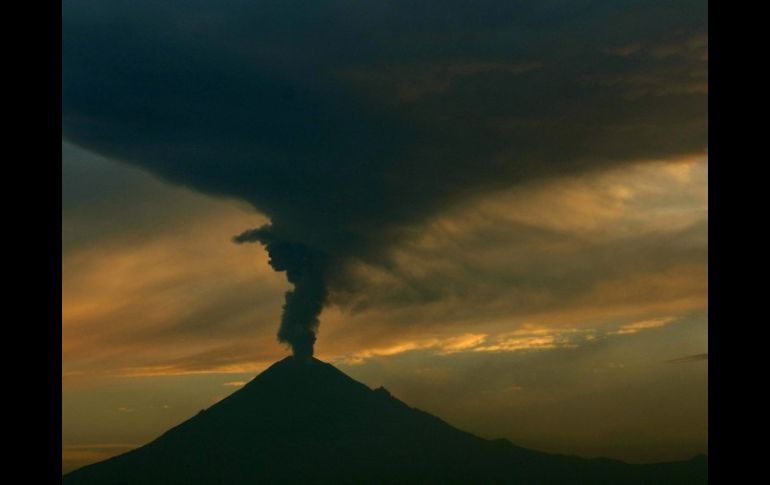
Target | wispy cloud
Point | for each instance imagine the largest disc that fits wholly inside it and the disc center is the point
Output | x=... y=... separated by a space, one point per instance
x=689 y=358
x=189 y=367
x=235 y=384
x=635 y=327
x=528 y=338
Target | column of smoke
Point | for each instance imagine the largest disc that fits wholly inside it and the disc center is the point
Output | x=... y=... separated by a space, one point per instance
x=306 y=269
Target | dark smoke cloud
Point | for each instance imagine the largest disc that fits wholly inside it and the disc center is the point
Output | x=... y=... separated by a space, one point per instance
x=350 y=122
x=306 y=269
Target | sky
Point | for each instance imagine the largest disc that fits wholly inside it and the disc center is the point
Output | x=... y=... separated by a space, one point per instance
x=504 y=208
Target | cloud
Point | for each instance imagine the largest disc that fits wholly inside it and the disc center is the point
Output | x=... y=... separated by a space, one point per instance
x=689 y=358
x=235 y=384
x=445 y=345
x=256 y=102
x=635 y=327
x=530 y=338
x=636 y=237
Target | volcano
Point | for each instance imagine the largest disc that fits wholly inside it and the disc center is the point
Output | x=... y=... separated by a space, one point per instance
x=304 y=421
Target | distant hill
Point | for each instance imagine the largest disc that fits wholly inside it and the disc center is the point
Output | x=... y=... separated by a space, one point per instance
x=307 y=422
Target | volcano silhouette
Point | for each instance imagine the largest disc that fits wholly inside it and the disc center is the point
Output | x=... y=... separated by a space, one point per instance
x=306 y=422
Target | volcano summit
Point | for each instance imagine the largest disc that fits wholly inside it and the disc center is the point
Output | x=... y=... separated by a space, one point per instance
x=304 y=421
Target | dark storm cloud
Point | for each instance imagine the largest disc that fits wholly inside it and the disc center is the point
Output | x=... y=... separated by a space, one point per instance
x=348 y=122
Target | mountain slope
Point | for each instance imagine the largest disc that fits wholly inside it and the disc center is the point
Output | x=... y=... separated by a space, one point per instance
x=307 y=422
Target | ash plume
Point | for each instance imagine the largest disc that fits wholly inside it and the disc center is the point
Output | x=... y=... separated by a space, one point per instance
x=351 y=123
x=306 y=270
